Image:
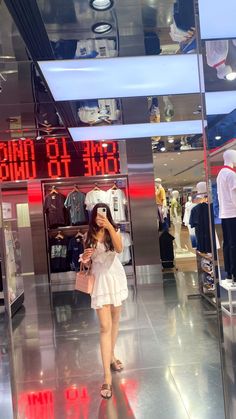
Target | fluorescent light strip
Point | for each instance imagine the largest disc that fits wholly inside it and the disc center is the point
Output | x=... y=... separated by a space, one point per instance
x=220 y=103
x=121 y=77
x=217 y=19
x=121 y=132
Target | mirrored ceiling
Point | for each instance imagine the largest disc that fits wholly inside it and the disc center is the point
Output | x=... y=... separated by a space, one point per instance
x=98 y=28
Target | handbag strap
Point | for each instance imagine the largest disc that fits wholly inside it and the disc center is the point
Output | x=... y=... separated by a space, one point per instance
x=82 y=267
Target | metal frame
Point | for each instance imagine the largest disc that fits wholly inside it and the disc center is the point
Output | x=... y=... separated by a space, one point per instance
x=231 y=303
x=10 y=308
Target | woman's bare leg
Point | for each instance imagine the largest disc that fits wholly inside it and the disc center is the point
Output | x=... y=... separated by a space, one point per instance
x=115 y=316
x=105 y=321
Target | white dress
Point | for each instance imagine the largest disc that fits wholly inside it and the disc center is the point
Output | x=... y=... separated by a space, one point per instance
x=110 y=285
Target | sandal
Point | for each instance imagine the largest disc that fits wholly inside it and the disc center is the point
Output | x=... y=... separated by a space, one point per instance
x=117 y=366
x=108 y=388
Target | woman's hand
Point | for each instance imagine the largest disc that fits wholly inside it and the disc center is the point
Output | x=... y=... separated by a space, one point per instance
x=86 y=256
x=103 y=222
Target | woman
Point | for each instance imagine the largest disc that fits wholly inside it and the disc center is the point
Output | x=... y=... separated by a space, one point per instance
x=102 y=244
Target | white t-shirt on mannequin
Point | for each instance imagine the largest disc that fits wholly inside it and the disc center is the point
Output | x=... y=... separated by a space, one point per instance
x=226 y=188
x=188 y=208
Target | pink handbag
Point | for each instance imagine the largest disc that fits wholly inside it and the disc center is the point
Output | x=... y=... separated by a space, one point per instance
x=84 y=280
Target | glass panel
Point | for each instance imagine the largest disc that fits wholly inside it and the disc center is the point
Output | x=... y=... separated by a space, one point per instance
x=18 y=257
x=220 y=76
x=11 y=230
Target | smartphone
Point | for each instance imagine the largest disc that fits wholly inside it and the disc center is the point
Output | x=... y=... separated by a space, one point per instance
x=102 y=211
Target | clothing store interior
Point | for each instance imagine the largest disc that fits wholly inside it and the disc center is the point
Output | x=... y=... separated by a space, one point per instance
x=131 y=104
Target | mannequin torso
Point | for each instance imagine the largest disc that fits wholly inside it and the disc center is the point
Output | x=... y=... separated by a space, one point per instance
x=226 y=186
x=176 y=212
x=160 y=195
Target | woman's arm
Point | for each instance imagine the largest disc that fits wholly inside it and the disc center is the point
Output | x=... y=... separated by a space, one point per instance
x=115 y=235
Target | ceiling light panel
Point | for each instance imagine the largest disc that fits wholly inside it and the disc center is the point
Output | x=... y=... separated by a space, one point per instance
x=220 y=103
x=121 y=132
x=121 y=77
x=217 y=19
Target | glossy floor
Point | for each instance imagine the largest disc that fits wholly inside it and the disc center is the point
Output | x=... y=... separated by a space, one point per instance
x=168 y=343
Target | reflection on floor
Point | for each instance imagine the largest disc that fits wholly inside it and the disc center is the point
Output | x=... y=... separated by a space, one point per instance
x=168 y=343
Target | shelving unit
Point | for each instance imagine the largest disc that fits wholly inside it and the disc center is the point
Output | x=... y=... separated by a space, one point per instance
x=206 y=291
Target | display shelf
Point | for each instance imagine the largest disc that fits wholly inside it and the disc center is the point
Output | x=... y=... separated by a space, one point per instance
x=80 y=227
x=204 y=291
x=231 y=303
x=68 y=228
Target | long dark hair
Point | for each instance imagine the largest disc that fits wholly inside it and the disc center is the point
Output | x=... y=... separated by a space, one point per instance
x=91 y=240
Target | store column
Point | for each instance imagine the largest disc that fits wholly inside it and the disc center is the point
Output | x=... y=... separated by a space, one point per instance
x=140 y=167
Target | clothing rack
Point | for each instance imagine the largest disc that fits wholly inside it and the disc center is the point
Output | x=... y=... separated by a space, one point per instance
x=65 y=280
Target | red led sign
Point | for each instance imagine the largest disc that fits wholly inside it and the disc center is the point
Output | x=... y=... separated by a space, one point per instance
x=55 y=158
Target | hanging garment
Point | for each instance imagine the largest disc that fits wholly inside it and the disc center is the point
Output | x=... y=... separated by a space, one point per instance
x=93 y=112
x=216 y=54
x=199 y=219
x=226 y=188
x=166 y=249
x=64 y=49
x=59 y=254
x=108 y=109
x=55 y=210
x=187 y=212
x=96 y=196
x=184 y=15
x=116 y=200
x=176 y=34
x=89 y=115
x=125 y=256
x=229 y=246
x=152 y=43
x=105 y=48
x=96 y=48
x=75 y=202
x=75 y=249
x=86 y=49
x=10 y=253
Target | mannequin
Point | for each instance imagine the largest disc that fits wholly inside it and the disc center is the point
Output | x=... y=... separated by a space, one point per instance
x=176 y=212
x=161 y=200
x=226 y=188
x=188 y=208
x=201 y=189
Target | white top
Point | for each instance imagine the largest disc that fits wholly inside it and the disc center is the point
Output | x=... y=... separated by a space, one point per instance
x=116 y=200
x=95 y=197
x=110 y=286
x=125 y=256
x=188 y=208
x=226 y=188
